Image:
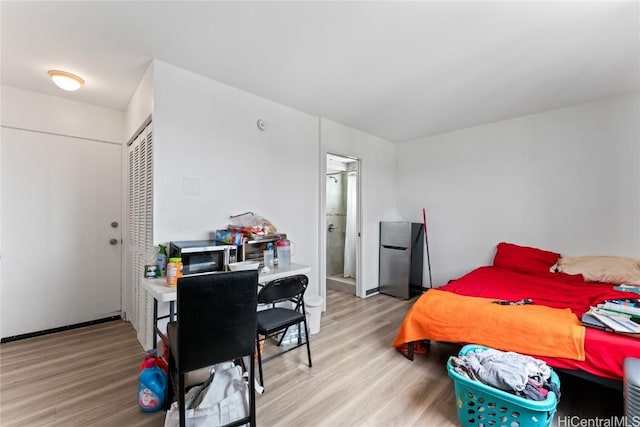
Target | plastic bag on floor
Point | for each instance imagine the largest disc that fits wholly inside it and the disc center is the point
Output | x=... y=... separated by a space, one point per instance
x=291 y=336
x=221 y=401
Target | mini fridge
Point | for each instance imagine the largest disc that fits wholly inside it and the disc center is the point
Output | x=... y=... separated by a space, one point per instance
x=401 y=253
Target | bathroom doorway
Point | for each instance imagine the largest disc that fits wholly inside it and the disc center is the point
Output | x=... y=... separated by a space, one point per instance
x=342 y=223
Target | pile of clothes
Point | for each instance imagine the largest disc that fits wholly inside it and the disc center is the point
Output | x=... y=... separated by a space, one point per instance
x=514 y=373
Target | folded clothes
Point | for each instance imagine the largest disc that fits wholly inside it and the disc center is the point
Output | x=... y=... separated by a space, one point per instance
x=515 y=373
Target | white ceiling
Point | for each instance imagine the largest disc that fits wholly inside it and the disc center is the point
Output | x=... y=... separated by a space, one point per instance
x=398 y=70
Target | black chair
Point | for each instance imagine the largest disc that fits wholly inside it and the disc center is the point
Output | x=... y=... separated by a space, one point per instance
x=279 y=319
x=216 y=323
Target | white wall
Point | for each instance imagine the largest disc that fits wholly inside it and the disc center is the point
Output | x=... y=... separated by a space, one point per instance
x=212 y=161
x=140 y=106
x=34 y=111
x=566 y=180
x=378 y=186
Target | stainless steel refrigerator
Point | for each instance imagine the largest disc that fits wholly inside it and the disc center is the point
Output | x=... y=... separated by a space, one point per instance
x=401 y=252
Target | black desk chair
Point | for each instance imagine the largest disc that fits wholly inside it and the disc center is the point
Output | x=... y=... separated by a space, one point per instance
x=280 y=319
x=216 y=323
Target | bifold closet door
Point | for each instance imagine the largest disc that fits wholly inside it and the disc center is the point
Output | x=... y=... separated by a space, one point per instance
x=61 y=231
x=140 y=232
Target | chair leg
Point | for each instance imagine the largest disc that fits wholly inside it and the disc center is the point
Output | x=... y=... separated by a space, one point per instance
x=181 y=404
x=252 y=391
x=306 y=332
x=259 y=358
x=241 y=361
x=171 y=384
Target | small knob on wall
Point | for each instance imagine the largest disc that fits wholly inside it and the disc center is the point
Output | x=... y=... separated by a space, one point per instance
x=113 y=241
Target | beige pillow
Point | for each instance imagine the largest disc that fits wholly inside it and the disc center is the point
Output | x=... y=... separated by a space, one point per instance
x=606 y=269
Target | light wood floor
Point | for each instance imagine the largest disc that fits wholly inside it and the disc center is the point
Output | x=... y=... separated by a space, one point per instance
x=88 y=377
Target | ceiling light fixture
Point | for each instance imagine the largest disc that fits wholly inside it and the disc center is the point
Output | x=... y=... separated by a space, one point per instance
x=66 y=81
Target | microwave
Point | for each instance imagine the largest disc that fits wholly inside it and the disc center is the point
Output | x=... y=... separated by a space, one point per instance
x=203 y=256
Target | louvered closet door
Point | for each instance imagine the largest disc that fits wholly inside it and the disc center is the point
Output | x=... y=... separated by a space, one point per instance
x=140 y=232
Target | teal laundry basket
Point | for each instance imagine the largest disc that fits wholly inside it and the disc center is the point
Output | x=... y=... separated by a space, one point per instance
x=480 y=405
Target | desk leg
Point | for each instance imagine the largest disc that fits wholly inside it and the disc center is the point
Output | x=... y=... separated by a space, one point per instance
x=155 y=324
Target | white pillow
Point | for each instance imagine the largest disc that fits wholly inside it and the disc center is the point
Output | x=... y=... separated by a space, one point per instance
x=606 y=269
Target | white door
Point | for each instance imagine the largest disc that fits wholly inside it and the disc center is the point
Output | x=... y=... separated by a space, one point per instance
x=61 y=232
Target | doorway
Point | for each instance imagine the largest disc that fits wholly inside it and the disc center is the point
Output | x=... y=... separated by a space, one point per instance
x=342 y=221
x=61 y=232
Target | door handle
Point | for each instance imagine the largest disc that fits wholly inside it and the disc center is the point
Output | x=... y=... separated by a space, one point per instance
x=332 y=228
x=113 y=241
x=396 y=248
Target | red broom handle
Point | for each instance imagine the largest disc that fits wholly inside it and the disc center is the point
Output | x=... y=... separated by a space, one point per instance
x=426 y=242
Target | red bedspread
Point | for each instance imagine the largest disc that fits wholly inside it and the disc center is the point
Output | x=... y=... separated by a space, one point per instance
x=556 y=290
x=605 y=352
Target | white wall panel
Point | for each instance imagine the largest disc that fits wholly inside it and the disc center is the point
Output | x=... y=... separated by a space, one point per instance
x=566 y=180
x=45 y=113
x=212 y=161
x=140 y=106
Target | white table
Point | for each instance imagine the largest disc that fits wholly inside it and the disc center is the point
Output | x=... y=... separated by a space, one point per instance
x=160 y=292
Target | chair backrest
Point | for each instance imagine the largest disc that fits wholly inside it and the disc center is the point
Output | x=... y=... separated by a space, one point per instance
x=216 y=318
x=290 y=288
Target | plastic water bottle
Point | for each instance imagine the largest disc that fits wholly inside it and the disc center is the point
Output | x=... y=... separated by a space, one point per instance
x=152 y=387
x=268 y=257
x=284 y=253
x=161 y=261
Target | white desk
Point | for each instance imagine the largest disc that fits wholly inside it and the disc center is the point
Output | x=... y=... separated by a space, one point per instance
x=160 y=292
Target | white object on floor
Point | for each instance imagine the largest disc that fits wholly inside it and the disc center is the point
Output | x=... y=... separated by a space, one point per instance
x=259 y=388
x=313 y=306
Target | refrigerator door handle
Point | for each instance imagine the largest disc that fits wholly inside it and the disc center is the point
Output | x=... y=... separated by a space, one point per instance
x=398 y=248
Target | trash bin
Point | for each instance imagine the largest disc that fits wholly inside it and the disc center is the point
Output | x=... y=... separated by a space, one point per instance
x=313 y=306
x=631 y=388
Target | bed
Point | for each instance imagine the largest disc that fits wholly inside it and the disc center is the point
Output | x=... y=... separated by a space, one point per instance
x=463 y=311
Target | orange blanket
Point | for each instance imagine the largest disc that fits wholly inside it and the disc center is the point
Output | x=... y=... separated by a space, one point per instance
x=531 y=329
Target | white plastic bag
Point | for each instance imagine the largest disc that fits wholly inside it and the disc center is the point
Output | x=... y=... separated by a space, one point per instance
x=257 y=222
x=224 y=400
